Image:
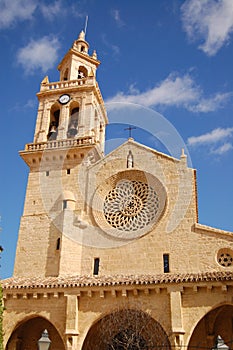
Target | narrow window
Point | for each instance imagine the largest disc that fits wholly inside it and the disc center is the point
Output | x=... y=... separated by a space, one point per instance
x=130 y=162
x=58 y=243
x=64 y=204
x=68 y=171
x=96 y=266
x=165 y=263
x=47 y=173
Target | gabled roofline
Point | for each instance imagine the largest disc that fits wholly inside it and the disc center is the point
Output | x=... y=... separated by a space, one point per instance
x=200 y=227
x=133 y=142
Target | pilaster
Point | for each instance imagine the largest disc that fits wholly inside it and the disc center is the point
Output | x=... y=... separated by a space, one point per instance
x=176 y=316
x=71 y=331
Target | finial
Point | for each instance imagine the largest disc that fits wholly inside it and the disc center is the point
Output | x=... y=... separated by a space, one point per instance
x=45 y=80
x=81 y=35
x=183 y=157
x=94 y=55
x=182 y=153
x=91 y=73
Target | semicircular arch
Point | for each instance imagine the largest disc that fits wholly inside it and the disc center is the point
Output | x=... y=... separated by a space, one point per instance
x=217 y=321
x=28 y=331
x=126 y=329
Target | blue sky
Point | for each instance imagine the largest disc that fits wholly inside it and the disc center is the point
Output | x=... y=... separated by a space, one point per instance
x=171 y=56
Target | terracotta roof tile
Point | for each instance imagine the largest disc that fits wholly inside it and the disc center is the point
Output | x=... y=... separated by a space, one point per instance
x=91 y=281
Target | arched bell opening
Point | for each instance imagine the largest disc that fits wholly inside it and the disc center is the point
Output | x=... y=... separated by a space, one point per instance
x=126 y=329
x=28 y=332
x=82 y=72
x=66 y=73
x=217 y=322
x=73 y=120
x=54 y=122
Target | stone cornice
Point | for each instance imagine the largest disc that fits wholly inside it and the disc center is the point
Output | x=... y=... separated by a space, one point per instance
x=200 y=228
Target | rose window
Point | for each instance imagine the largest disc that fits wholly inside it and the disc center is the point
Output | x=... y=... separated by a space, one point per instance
x=225 y=259
x=131 y=205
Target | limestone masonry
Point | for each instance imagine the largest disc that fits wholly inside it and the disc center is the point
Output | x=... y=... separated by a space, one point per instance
x=110 y=252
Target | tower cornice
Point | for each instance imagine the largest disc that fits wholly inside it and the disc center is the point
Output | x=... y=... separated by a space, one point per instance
x=82 y=55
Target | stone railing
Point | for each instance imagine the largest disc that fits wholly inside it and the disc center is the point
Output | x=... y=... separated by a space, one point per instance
x=40 y=146
x=67 y=84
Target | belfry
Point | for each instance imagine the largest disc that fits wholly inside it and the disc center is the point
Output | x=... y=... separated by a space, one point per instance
x=110 y=253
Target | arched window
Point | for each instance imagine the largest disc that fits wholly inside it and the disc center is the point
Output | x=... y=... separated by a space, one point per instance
x=54 y=122
x=130 y=160
x=82 y=72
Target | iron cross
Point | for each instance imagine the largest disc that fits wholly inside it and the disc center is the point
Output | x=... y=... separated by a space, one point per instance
x=130 y=128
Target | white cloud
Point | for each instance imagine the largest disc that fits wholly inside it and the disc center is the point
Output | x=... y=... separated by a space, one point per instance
x=52 y=10
x=13 y=11
x=174 y=90
x=114 y=48
x=31 y=103
x=179 y=91
x=223 y=148
x=212 y=137
x=116 y=15
x=211 y=104
x=210 y=21
x=41 y=54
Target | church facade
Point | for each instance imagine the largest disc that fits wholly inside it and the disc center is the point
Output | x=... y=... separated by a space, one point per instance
x=110 y=252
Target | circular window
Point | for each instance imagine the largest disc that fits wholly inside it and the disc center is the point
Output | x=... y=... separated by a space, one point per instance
x=225 y=257
x=131 y=205
x=128 y=204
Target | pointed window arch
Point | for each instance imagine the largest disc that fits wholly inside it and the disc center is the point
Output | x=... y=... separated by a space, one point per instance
x=130 y=160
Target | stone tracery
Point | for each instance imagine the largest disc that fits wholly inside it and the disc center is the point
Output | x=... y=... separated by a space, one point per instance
x=131 y=205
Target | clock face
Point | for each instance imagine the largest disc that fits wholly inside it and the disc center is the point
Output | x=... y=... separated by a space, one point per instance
x=63 y=99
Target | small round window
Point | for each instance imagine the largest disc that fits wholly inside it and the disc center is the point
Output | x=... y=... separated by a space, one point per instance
x=225 y=257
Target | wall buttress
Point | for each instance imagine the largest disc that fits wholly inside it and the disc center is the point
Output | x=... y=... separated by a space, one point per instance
x=176 y=317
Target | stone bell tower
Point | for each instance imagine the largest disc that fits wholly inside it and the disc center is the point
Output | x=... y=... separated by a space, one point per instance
x=73 y=107
x=70 y=128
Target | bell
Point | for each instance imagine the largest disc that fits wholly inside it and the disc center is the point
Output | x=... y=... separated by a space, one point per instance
x=52 y=135
x=72 y=130
x=53 y=129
